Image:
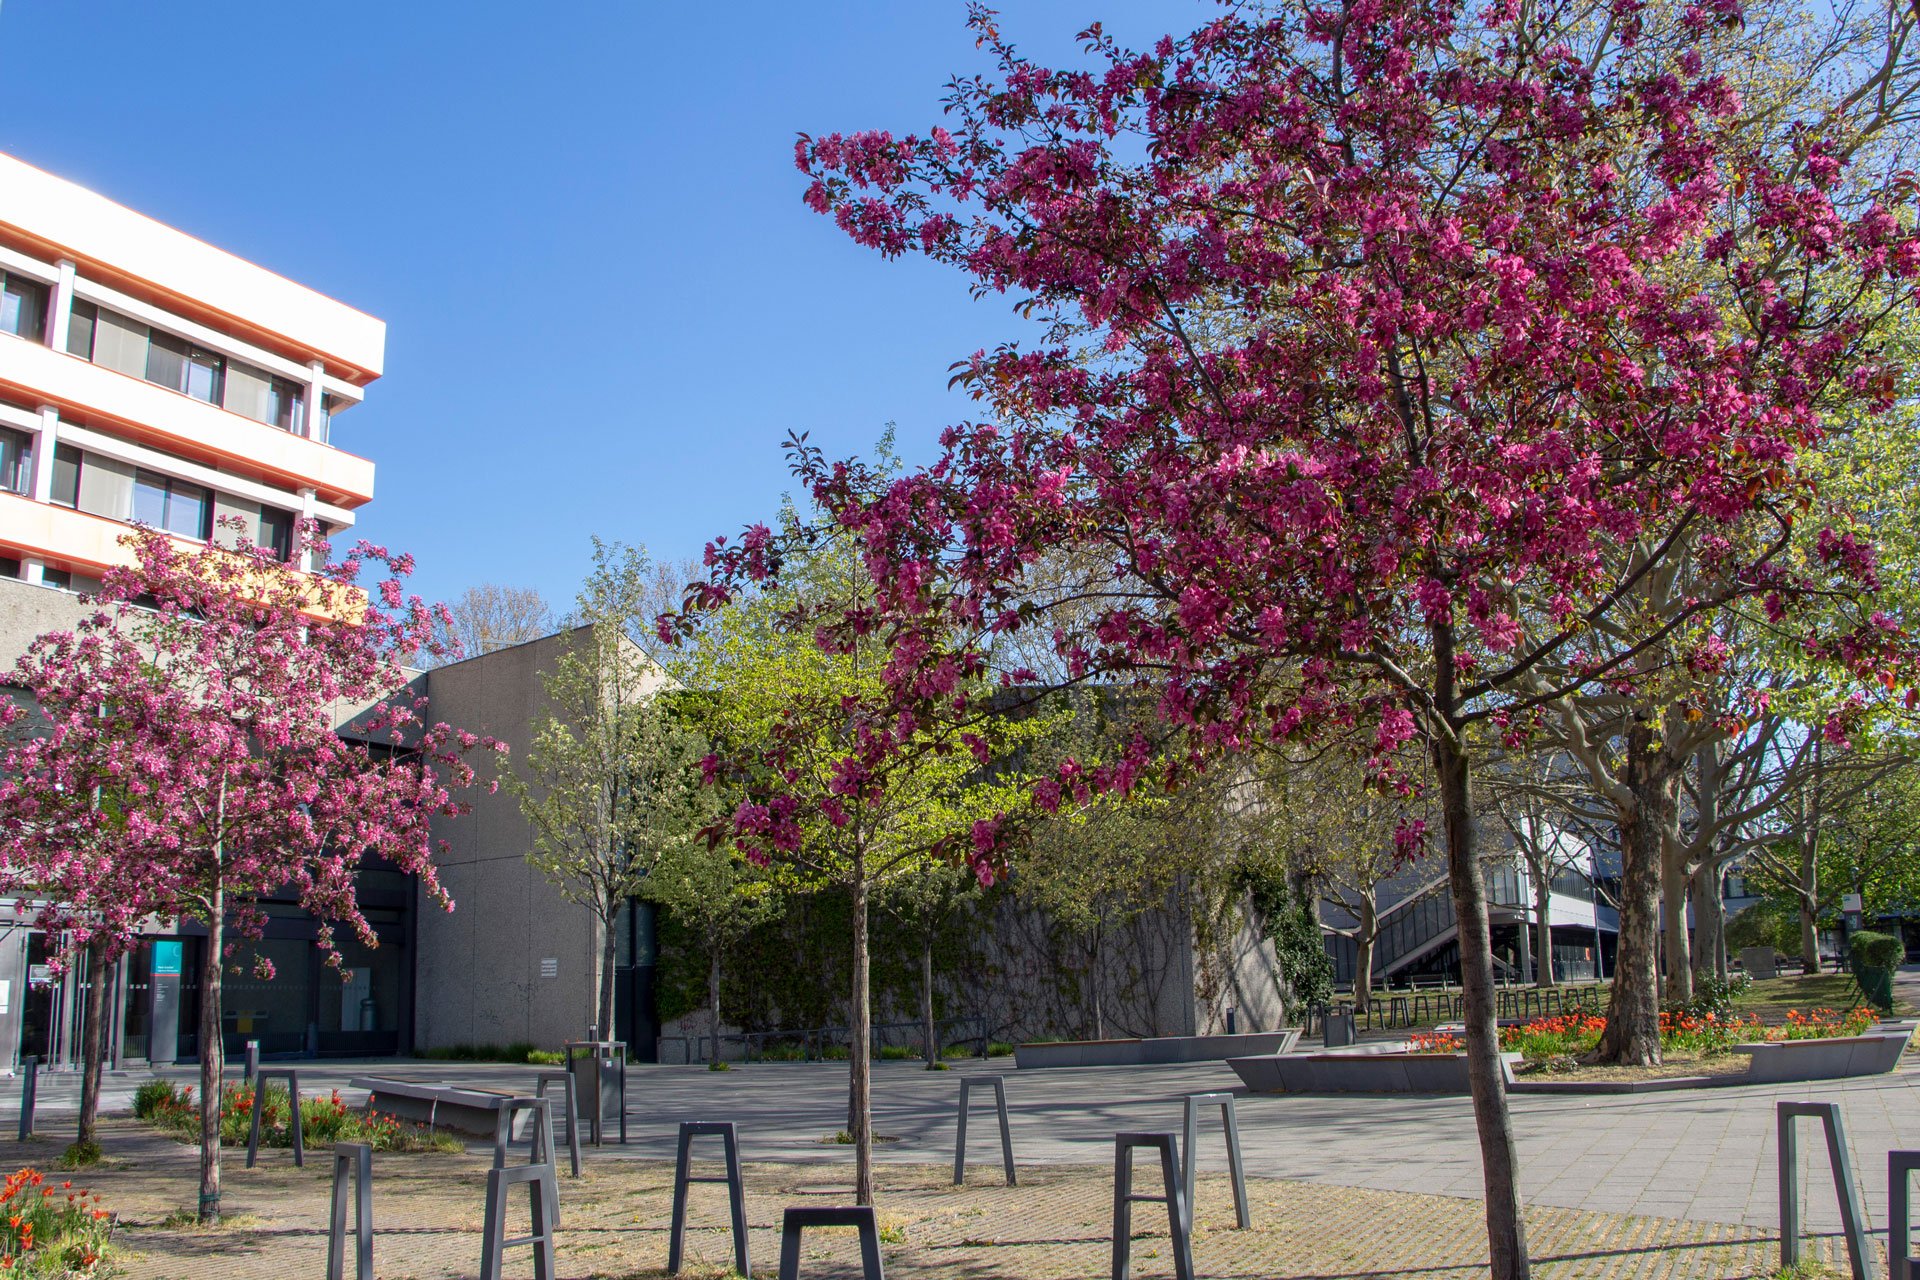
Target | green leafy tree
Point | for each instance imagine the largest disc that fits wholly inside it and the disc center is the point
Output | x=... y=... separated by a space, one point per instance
x=611 y=779
x=787 y=713
x=719 y=895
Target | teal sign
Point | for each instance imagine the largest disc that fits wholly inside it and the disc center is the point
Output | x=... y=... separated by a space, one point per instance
x=166 y=959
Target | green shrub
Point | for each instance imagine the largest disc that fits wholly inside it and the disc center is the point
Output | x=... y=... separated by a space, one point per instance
x=518 y=1051
x=1876 y=950
x=1712 y=997
x=323 y=1120
x=150 y=1097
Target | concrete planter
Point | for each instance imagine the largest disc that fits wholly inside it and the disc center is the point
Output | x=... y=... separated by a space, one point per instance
x=1791 y=1061
x=1372 y=1069
x=1156 y=1050
x=474 y=1112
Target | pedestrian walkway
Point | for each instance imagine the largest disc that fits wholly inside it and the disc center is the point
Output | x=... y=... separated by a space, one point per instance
x=1701 y=1155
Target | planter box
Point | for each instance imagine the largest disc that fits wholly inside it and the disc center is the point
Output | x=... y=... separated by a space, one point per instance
x=1371 y=1069
x=1156 y=1050
x=1791 y=1061
x=444 y=1106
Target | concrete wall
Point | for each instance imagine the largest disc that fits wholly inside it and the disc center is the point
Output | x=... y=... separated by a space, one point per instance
x=478 y=973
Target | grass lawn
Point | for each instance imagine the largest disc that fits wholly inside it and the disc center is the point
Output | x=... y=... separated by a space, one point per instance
x=1770 y=999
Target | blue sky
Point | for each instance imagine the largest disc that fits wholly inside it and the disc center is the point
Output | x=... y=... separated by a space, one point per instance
x=606 y=305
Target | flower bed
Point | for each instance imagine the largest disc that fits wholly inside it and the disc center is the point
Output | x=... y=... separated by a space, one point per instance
x=49 y=1232
x=323 y=1120
x=1703 y=1035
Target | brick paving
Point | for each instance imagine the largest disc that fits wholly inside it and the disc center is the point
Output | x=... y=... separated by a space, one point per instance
x=1054 y=1225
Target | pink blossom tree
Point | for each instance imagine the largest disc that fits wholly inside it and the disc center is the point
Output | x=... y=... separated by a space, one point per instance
x=190 y=760
x=1396 y=350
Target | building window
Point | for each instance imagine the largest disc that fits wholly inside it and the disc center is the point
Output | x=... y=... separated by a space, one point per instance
x=178 y=365
x=263 y=396
x=80 y=324
x=276 y=532
x=174 y=505
x=16 y=461
x=60 y=578
x=66 y=475
x=9 y=567
x=23 y=307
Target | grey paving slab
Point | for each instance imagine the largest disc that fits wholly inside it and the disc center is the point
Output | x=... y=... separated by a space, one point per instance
x=1703 y=1155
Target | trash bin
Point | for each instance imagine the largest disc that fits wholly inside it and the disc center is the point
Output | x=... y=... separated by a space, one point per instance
x=599 y=1084
x=1338 y=1028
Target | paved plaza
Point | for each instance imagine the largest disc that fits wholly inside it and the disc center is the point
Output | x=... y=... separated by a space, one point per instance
x=1633 y=1185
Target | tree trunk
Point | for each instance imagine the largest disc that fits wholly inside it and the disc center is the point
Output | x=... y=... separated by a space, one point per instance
x=1093 y=983
x=860 y=1091
x=92 y=1043
x=1363 y=940
x=1674 y=882
x=1709 y=923
x=1632 y=1036
x=1809 y=896
x=713 y=998
x=1543 y=926
x=212 y=1060
x=928 y=1043
x=1500 y=1168
x=607 y=943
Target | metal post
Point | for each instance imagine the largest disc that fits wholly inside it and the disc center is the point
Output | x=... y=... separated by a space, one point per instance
x=29 y=1087
x=1190 y=1153
x=1852 y=1214
x=351 y=1160
x=252 y=1067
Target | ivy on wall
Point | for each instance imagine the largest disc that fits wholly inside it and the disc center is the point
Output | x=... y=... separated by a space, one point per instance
x=795 y=971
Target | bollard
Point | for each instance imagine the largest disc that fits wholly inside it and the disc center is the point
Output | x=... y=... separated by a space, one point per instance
x=252 y=1067
x=29 y=1086
x=736 y=1192
x=1229 y=1121
x=999 y=1084
x=1124 y=1198
x=859 y=1217
x=260 y=1079
x=1852 y=1218
x=351 y=1160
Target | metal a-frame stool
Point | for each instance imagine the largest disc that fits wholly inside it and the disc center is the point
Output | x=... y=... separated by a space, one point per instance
x=1124 y=1198
x=999 y=1084
x=857 y=1216
x=351 y=1160
x=539 y=1181
x=259 y=1101
x=736 y=1192
x=539 y=1140
x=1901 y=1166
x=1190 y=1150
x=572 y=1107
x=1852 y=1216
